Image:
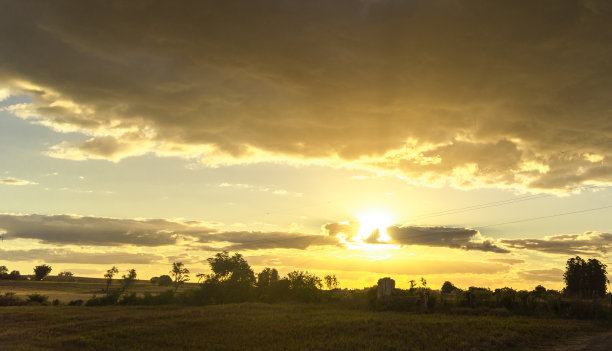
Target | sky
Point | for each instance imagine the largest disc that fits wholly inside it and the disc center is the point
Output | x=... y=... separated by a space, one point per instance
x=451 y=140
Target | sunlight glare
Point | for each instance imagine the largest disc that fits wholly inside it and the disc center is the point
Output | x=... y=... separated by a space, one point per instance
x=374 y=219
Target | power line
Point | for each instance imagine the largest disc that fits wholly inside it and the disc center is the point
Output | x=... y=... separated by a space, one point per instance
x=543 y=217
x=489 y=204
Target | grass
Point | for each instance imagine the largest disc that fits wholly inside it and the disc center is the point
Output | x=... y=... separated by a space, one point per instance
x=255 y=326
x=67 y=291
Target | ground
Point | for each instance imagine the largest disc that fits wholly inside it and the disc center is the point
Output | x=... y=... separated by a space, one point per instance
x=255 y=326
x=82 y=289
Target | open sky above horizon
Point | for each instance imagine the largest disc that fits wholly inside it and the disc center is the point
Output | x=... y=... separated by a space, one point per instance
x=461 y=141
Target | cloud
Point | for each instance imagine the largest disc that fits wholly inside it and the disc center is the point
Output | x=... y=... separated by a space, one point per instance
x=542 y=275
x=459 y=238
x=510 y=261
x=589 y=243
x=101 y=231
x=66 y=229
x=13 y=181
x=71 y=256
x=281 y=192
x=246 y=240
x=434 y=92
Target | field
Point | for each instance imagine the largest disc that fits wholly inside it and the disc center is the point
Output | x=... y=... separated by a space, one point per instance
x=82 y=289
x=258 y=326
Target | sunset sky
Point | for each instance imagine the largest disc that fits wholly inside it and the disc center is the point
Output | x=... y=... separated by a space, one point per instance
x=467 y=141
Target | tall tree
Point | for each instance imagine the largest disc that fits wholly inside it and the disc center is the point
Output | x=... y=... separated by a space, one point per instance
x=40 y=272
x=109 y=276
x=267 y=277
x=180 y=274
x=331 y=281
x=128 y=280
x=585 y=278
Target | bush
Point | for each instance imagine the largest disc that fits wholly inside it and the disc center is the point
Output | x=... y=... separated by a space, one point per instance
x=111 y=298
x=37 y=299
x=9 y=299
x=78 y=302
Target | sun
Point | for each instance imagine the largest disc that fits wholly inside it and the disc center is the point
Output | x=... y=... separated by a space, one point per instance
x=372 y=220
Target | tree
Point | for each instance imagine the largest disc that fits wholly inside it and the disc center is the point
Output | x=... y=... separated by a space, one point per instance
x=331 y=281
x=128 y=280
x=15 y=275
x=164 y=280
x=154 y=280
x=180 y=274
x=412 y=284
x=66 y=276
x=585 y=278
x=234 y=269
x=4 y=272
x=539 y=291
x=231 y=280
x=267 y=277
x=448 y=288
x=109 y=276
x=40 y=272
x=423 y=282
x=304 y=286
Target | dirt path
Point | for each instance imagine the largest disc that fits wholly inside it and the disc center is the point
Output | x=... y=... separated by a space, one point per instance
x=597 y=342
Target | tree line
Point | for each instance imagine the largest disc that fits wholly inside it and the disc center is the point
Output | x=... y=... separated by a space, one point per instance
x=231 y=279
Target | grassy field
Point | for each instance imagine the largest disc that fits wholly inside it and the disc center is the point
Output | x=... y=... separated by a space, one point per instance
x=256 y=326
x=83 y=289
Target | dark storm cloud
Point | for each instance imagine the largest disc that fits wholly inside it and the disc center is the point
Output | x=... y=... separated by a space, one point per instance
x=71 y=256
x=589 y=243
x=509 y=93
x=65 y=229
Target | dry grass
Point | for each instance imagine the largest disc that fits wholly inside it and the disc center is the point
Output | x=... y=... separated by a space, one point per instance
x=271 y=327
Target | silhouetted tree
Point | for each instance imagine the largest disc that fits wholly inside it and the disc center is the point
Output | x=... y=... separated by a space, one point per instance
x=4 y=272
x=585 y=278
x=448 y=288
x=14 y=275
x=304 y=286
x=40 y=272
x=180 y=274
x=423 y=282
x=266 y=278
x=331 y=281
x=412 y=284
x=128 y=280
x=164 y=280
x=154 y=280
x=539 y=291
x=65 y=276
x=109 y=276
x=232 y=279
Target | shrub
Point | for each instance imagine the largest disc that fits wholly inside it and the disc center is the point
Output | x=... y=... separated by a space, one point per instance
x=111 y=298
x=9 y=299
x=78 y=302
x=37 y=299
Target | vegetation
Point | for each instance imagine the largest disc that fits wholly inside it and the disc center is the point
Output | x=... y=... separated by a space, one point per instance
x=180 y=274
x=128 y=280
x=271 y=327
x=41 y=272
x=65 y=276
x=585 y=278
x=109 y=276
